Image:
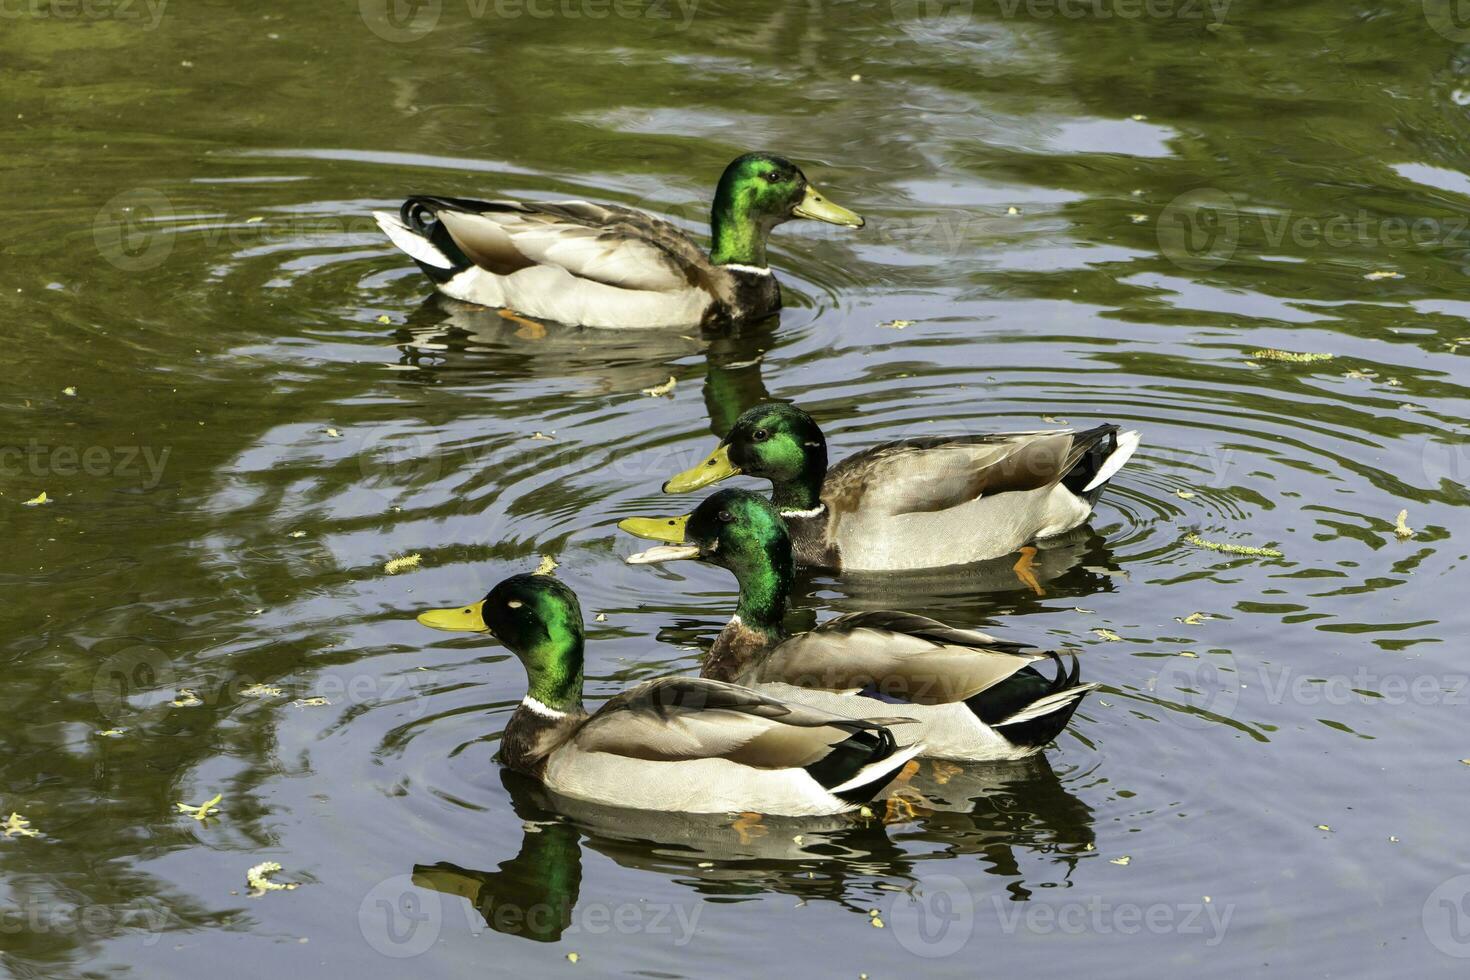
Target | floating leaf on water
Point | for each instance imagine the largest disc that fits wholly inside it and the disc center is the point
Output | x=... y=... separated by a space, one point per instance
x=1125 y=860
x=112 y=733
x=1233 y=549
x=547 y=566
x=1465 y=762
x=1138 y=117
x=186 y=698
x=1053 y=420
x=333 y=433
x=297 y=534
x=1383 y=274
x=311 y=702
x=1401 y=526
x=204 y=810
x=1138 y=219
x=258 y=878
x=1108 y=635
x=402 y=564
x=1013 y=210
x=1323 y=826
x=1185 y=494
x=573 y=957
x=896 y=324
x=876 y=922
x=1291 y=357
x=38 y=500
x=600 y=618
x=70 y=391
x=254 y=221
x=261 y=691
x=666 y=388
x=385 y=318
x=18 y=826
x=542 y=437
x=1189 y=653
x=1193 y=619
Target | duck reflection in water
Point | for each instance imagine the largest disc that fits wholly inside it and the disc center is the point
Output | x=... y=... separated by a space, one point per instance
x=999 y=812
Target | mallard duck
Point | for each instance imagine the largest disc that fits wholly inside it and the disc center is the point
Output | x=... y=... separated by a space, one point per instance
x=609 y=266
x=976 y=697
x=677 y=743
x=915 y=503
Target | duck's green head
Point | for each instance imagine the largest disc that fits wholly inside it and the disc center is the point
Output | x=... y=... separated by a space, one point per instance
x=773 y=441
x=735 y=529
x=538 y=619
x=757 y=192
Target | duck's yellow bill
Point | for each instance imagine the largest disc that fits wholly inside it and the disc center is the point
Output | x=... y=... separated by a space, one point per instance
x=716 y=467
x=663 y=553
x=818 y=208
x=670 y=529
x=460 y=619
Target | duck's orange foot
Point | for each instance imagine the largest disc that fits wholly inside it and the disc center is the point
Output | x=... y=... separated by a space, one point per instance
x=909 y=770
x=1023 y=569
x=944 y=771
x=898 y=809
x=749 y=827
x=528 y=330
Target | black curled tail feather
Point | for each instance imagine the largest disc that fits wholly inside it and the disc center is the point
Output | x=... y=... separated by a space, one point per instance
x=849 y=757
x=420 y=214
x=1095 y=446
x=1021 y=690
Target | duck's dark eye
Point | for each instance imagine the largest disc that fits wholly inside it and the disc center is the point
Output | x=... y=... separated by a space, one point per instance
x=726 y=517
x=773 y=177
x=760 y=435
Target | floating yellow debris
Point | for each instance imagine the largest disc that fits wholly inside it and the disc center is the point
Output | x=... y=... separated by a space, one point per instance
x=547 y=566
x=1233 y=549
x=385 y=318
x=38 y=500
x=262 y=691
x=1108 y=635
x=311 y=702
x=402 y=564
x=1053 y=420
x=896 y=324
x=600 y=618
x=296 y=534
x=70 y=391
x=573 y=957
x=1013 y=210
x=254 y=221
x=1125 y=860
x=1383 y=274
x=1185 y=494
x=667 y=388
x=204 y=810
x=1465 y=762
x=1193 y=619
x=1189 y=654
x=1138 y=219
x=186 y=698
x=112 y=733
x=258 y=878
x=1323 y=826
x=876 y=922
x=542 y=437
x=1401 y=526
x=1291 y=357
x=333 y=433
x=18 y=826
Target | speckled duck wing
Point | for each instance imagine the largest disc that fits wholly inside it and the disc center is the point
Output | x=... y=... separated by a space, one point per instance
x=932 y=474
x=897 y=655
x=683 y=718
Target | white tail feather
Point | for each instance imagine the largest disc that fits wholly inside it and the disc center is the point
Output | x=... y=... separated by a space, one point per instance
x=412 y=242
x=1127 y=445
x=1048 y=704
x=883 y=769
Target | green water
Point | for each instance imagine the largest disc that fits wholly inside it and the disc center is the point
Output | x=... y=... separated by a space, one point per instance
x=187 y=246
